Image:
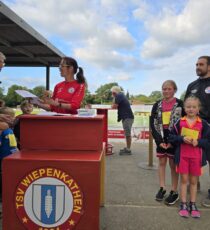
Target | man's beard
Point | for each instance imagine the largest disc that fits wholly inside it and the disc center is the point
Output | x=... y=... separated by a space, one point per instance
x=201 y=73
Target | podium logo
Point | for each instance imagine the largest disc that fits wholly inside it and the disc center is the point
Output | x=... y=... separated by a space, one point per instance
x=48 y=199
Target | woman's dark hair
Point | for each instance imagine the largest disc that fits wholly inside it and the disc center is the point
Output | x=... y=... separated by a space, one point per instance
x=72 y=62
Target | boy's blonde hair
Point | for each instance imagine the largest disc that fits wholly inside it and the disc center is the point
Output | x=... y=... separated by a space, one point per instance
x=24 y=104
x=7 y=111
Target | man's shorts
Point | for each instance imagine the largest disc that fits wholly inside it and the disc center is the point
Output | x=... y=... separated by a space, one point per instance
x=127 y=125
x=189 y=166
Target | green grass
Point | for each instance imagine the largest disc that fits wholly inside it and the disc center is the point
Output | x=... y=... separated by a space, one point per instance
x=140 y=120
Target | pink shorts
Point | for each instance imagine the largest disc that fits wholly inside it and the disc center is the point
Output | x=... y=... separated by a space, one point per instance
x=189 y=166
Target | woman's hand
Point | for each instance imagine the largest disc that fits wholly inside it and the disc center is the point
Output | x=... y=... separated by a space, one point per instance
x=47 y=97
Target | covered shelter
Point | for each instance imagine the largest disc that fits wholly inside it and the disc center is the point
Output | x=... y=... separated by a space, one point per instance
x=23 y=46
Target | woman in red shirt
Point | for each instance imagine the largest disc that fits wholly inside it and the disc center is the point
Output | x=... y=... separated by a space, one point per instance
x=68 y=94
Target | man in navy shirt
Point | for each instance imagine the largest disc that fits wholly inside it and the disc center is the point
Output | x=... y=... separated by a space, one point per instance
x=125 y=115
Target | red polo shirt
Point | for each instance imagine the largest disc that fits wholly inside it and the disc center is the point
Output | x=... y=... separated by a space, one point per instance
x=68 y=93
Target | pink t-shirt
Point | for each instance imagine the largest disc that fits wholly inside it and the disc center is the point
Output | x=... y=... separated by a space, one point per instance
x=188 y=150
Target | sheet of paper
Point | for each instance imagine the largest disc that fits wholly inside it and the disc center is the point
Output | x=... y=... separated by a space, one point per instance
x=166 y=117
x=47 y=113
x=25 y=93
x=190 y=133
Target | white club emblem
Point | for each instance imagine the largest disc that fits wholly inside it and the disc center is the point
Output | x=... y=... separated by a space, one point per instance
x=71 y=90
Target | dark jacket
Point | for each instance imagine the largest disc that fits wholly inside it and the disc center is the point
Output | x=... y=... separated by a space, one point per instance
x=156 y=119
x=176 y=140
x=201 y=89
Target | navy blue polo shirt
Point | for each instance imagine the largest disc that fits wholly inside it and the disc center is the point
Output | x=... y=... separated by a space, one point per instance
x=124 y=108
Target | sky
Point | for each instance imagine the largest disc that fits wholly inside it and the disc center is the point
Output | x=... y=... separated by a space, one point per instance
x=137 y=43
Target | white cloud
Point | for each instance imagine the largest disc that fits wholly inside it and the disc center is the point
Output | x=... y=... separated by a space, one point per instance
x=168 y=32
x=69 y=18
x=180 y=67
x=142 y=11
x=107 y=38
x=91 y=35
x=119 y=77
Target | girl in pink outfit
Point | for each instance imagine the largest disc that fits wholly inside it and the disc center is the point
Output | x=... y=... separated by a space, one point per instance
x=191 y=138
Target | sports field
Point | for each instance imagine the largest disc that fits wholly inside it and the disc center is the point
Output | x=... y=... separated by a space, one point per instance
x=141 y=119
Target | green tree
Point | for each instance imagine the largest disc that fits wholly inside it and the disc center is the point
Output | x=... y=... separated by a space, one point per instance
x=103 y=93
x=38 y=90
x=128 y=95
x=2 y=93
x=182 y=96
x=12 y=98
x=142 y=98
x=89 y=98
x=155 y=96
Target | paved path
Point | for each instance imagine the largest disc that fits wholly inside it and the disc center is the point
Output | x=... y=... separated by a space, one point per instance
x=130 y=192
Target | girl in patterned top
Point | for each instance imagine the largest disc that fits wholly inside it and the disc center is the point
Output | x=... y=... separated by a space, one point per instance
x=164 y=114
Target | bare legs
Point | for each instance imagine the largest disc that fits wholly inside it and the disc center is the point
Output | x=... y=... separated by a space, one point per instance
x=128 y=142
x=162 y=173
x=193 y=187
x=174 y=175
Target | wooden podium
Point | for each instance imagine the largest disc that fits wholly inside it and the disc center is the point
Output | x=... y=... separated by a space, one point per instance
x=56 y=181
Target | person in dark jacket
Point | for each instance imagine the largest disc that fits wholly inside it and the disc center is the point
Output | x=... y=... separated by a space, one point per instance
x=164 y=114
x=201 y=89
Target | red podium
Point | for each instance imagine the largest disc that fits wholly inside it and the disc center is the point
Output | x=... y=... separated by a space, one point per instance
x=56 y=181
x=104 y=111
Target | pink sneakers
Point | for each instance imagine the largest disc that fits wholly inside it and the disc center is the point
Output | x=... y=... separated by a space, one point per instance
x=183 y=212
x=194 y=210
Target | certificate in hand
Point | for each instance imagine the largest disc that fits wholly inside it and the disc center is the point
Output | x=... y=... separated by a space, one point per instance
x=33 y=98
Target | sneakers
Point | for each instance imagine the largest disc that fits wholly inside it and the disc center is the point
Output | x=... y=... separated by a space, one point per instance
x=172 y=198
x=183 y=212
x=125 y=151
x=206 y=201
x=160 y=195
x=194 y=210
